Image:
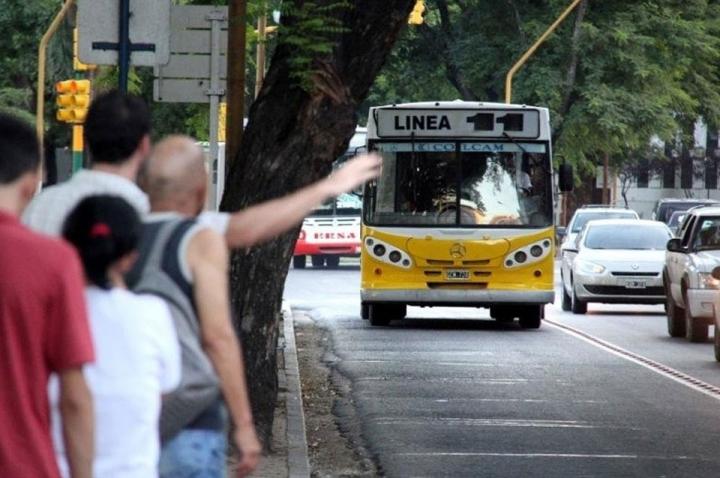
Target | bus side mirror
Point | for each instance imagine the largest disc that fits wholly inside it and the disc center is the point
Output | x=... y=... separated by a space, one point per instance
x=565 y=175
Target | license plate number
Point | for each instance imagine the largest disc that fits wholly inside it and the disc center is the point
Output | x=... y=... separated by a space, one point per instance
x=636 y=284
x=458 y=275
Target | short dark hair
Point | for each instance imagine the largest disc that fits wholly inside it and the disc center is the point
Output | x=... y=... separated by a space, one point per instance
x=19 y=151
x=103 y=229
x=116 y=124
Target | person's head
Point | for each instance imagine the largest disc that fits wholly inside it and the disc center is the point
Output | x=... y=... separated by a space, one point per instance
x=19 y=163
x=117 y=129
x=105 y=230
x=174 y=177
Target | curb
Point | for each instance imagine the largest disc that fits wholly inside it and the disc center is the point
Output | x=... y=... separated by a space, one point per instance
x=298 y=461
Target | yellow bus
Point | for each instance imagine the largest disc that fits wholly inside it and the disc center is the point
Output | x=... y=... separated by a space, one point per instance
x=462 y=214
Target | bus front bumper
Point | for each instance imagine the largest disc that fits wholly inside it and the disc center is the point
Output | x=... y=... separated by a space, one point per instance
x=472 y=298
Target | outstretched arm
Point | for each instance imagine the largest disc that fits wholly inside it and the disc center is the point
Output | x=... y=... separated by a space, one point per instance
x=264 y=221
x=208 y=260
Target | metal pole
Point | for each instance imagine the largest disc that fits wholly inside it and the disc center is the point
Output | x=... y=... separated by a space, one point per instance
x=124 y=45
x=531 y=50
x=260 y=71
x=215 y=93
x=42 y=60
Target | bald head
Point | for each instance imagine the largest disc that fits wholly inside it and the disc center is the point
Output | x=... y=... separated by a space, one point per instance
x=174 y=176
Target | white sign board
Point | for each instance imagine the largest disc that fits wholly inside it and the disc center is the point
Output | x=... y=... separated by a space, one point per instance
x=465 y=123
x=186 y=77
x=98 y=24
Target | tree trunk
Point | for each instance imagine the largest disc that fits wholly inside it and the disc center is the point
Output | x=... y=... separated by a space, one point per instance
x=291 y=140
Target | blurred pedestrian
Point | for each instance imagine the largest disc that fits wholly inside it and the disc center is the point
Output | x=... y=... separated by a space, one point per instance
x=117 y=134
x=138 y=355
x=43 y=328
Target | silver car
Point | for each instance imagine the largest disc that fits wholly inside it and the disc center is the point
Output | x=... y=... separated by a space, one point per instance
x=615 y=261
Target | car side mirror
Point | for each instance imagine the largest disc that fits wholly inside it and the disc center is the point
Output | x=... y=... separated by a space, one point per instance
x=565 y=176
x=716 y=273
x=675 y=245
x=561 y=231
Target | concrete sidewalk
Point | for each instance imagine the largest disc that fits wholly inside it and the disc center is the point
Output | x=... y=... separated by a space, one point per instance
x=289 y=455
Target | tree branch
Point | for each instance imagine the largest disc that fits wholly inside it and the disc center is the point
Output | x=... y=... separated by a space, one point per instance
x=571 y=75
x=453 y=72
x=518 y=21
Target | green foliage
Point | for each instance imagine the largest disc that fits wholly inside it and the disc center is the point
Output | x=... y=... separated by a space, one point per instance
x=312 y=31
x=23 y=24
x=644 y=69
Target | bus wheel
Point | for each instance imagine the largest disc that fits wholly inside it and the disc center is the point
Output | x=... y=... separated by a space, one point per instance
x=317 y=261
x=531 y=316
x=378 y=315
x=382 y=314
x=332 y=261
x=298 y=262
x=502 y=314
x=364 y=310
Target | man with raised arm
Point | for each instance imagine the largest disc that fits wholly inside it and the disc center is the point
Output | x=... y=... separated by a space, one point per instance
x=196 y=259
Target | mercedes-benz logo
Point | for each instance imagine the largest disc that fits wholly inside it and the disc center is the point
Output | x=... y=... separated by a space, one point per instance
x=635 y=267
x=457 y=251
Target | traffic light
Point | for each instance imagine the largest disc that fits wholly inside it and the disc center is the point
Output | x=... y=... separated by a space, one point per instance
x=73 y=100
x=416 y=16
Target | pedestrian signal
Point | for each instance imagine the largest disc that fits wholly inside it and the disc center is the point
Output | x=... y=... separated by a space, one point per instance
x=416 y=16
x=73 y=100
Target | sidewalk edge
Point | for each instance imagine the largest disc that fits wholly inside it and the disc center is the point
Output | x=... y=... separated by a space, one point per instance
x=298 y=461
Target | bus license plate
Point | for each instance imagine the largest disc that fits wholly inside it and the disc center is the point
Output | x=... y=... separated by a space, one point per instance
x=458 y=275
x=636 y=284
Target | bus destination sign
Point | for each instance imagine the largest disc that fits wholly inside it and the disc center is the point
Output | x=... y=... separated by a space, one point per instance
x=466 y=123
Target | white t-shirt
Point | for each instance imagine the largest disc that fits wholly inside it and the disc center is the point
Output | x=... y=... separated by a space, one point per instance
x=48 y=210
x=137 y=360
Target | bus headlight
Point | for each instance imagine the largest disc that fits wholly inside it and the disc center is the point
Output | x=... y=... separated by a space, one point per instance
x=530 y=254
x=387 y=253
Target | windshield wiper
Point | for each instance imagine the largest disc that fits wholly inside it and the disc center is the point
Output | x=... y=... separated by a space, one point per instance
x=515 y=142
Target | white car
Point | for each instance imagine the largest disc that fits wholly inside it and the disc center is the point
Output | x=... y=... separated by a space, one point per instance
x=690 y=287
x=590 y=213
x=615 y=261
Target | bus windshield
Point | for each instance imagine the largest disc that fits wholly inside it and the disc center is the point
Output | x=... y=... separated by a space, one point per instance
x=499 y=184
x=347 y=204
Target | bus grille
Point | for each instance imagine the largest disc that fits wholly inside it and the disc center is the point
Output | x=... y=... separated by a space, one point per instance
x=458 y=285
x=617 y=290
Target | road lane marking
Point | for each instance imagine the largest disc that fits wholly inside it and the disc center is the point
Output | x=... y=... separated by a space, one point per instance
x=657 y=367
x=552 y=455
x=497 y=422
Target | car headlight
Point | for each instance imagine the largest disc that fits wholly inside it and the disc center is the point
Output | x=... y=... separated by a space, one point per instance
x=707 y=281
x=589 y=268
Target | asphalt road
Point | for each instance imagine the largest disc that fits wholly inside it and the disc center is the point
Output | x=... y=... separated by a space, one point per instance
x=450 y=392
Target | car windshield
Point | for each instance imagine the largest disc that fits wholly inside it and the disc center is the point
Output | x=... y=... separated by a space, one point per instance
x=346 y=204
x=708 y=234
x=626 y=236
x=676 y=219
x=585 y=217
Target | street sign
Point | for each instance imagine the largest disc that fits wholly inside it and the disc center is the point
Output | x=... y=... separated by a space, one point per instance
x=179 y=90
x=198 y=42
x=149 y=28
x=196 y=72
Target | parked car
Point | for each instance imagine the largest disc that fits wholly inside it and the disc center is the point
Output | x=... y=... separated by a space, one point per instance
x=589 y=213
x=716 y=319
x=675 y=221
x=689 y=285
x=615 y=261
x=665 y=207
